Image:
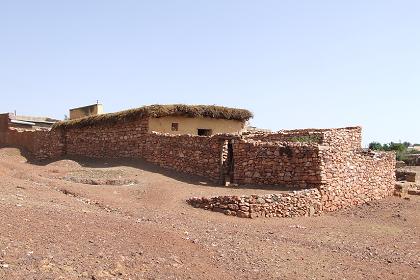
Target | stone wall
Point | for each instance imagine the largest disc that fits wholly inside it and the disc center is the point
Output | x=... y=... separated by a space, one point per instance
x=184 y=153
x=195 y=155
x=4 y=127
x=406 y=175
x=19 y=138
x=330 y=160
x=41 y=144
x=294 y=204
x=346 y=138
x=276 y=163
x=355 y=177
x=49 y=145
x=304 y=135
x=121 y=140
x=342 y=171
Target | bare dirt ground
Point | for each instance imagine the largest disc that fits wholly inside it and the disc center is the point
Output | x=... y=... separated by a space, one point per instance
x=128 y=220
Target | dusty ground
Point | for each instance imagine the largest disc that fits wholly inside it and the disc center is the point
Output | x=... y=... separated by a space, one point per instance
x=59 y=221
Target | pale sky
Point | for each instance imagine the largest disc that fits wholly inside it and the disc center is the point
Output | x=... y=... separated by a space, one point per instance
x=295 y=64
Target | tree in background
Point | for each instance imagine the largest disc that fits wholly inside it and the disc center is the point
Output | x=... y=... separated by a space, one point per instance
x=401 y=149
x=376 y=146
x=407 y=144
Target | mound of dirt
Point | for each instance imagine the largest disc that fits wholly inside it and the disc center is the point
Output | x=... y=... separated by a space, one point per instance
x=100 y=177
x=65 y=163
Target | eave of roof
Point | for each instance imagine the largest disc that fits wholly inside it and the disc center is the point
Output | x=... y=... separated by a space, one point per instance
x=158 y=111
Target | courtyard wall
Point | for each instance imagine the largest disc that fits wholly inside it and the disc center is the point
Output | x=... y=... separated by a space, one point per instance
x=330 y=161
x=353 y=177
x=293 y=204
x=277 y=163
x=119 y=140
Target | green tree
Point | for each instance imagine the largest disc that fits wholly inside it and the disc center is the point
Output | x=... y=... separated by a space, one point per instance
x=376 y=146
x=407 y=144
x=398 y=147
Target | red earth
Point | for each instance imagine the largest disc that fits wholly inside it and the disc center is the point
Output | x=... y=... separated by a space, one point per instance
x=129 y=220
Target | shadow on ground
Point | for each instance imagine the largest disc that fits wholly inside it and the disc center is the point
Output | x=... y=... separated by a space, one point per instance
x=141 y=164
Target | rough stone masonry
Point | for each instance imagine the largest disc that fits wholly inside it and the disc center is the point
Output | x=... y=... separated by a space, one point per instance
x=327 y=167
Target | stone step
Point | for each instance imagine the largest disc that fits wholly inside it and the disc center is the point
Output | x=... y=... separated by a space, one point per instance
x=404 y=188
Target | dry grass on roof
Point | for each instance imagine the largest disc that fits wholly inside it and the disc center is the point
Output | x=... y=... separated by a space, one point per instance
x=158 y=111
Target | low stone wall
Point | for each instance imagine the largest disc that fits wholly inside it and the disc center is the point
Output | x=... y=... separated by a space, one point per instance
x=4 y=126
x=344 y=139
x=355 y=177
x=41 y=144
x=406 y=175
x=305 y=135
x=195 y=155
x=121 y=140
x=412 y=160
x=21 y=139
x=276 y=163
x=184 y=153
x=342 y=172
x=294 y=204
x=49 y=145
x=347 y=138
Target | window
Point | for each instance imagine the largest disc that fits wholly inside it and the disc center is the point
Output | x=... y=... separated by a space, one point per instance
x=175 y=126
x=204 y=132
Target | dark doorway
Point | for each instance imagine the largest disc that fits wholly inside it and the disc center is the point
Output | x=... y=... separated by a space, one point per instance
x=204 y=132
x=227 y=163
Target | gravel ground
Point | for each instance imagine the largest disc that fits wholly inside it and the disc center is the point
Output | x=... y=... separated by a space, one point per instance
x=53 y=227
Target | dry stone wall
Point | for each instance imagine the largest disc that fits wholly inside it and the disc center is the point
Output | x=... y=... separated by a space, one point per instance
x=343 y=139
x=195 y=155
x=294 y=204
x=184 y=153
x=342 y=173
x=406 y=175
x=49 y=145
x=276 y=163
x=355 y=177
x=347 y=138
x=19 y=138
x=125 y=140
x=4 y=126
x=307 y=135
x=43 y=145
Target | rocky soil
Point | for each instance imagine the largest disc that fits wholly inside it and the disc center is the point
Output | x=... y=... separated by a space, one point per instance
x=56 y=224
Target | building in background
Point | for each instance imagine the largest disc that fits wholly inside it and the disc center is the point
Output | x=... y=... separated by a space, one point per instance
x=86 y=111
x=28 y=122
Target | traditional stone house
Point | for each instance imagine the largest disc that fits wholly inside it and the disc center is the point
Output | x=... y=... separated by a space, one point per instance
x=327 y=169
x=202 y=120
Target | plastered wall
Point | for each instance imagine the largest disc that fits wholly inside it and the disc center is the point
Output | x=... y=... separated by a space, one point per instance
x=191 y=125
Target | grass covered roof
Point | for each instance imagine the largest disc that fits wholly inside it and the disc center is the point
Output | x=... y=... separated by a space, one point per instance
x=158 y=111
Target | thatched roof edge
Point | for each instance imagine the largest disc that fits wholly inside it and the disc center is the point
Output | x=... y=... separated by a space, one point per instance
x=158 y=111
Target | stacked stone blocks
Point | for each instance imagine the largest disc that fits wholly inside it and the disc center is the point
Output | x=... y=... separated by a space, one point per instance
x=327 y=167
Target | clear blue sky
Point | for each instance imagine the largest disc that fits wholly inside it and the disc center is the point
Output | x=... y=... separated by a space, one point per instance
x=295 y=64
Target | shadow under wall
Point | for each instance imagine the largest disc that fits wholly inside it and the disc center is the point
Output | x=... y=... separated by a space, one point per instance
x=141 y=164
